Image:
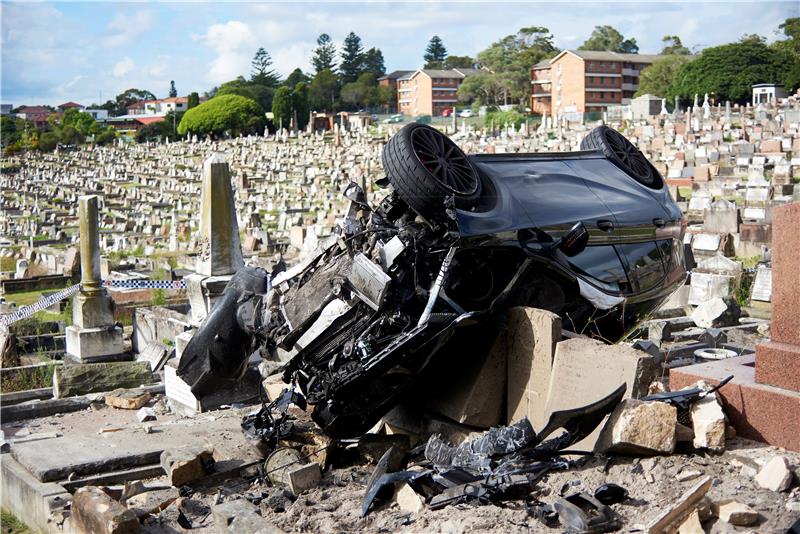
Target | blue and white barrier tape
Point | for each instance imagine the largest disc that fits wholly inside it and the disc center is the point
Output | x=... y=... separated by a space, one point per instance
x=45 y=302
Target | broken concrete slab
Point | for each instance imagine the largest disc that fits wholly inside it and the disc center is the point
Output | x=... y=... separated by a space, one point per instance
x=708 y=423
x=93 y=511
x=692 y=525
x=240 y=517
x=303 y=477
x=127 y=399
x=735 y=513
x=680 y=510
x=475 y=394
x=408 y=500
x=775 y=475
x=151 y=501
x=86 y=454
x=586 y=370
x=717 y=312
x=146 y=414
x=531 y=342
x=38 y=504
x=187 y=464
x=79 y=379
x=639 y=427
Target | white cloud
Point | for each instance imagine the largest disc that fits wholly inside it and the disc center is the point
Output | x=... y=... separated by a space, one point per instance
x=123 y=67
x=235 y=44
x=125 y=27
x=298 y=55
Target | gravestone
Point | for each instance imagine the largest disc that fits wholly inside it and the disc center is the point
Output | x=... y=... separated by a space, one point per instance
x=93 y=336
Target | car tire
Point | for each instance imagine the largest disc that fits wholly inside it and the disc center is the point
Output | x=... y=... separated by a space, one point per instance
x=616 y=148
x=424 y=166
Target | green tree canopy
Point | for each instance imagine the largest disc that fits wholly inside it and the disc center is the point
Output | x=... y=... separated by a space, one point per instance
x=324 y=57
x=295 y=77
x=323 y=90
x=193 y=100
x=129 y=97
x=456 y=62
x=729 y=71
x=222 y=114
x=435 y=53
x=356 y=93
x=172 y=91
x=483 y=88
x=791 y=28
x=262 y=94
x=352 y=55
x=673 y=46
x=282 y=108
x=509 y=61
x=262 y=73
x=373 y=62
x=608 y=38
x=657 y=78
x=300 y=104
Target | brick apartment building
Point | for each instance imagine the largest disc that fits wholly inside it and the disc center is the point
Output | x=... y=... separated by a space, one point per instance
x=586 y=81
x=429 y=91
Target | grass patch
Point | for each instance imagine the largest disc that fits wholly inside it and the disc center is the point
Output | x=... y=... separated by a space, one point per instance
x=29 y=297
x=744 y=289
x=33 y=378
x=8 y=263
x=12 y=525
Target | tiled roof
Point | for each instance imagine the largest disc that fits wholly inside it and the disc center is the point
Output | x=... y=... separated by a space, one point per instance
x=604 y=55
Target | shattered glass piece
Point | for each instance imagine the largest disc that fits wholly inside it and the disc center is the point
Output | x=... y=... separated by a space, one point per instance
x=477 y=454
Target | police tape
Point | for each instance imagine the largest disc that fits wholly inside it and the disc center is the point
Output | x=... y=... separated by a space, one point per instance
x=145 y=284
x=45 y=302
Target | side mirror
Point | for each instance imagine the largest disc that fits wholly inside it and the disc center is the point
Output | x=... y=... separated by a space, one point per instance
x=575 y=241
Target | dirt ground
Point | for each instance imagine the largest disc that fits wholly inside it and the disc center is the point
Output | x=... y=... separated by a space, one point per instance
x=335 y=505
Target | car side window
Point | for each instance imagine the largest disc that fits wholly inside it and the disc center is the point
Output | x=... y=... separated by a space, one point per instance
x=644 y=262
x=602 y=263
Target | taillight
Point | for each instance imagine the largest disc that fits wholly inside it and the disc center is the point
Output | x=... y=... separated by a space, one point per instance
x=672 y=230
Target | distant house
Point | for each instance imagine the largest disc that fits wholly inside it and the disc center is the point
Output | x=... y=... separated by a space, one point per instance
x=70 y=105
x=130 y=124
x=586 y=81
x=36 y=114
x=429 y=91
x=99 y=115
x=391 y=78
x=766 y=93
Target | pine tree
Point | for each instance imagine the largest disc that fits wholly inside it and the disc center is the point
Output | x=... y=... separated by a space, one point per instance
x=352 y=59
x=324 y=55
x=172 y=91
x=373 y=62
x=435 y=53
x=262 y=74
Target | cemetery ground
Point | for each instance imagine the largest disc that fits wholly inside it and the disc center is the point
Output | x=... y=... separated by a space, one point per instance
x=100 y=434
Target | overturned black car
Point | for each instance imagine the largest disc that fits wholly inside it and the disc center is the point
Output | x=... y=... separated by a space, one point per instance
x=592 y=236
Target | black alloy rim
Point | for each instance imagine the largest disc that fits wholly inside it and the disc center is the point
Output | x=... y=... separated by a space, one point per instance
x=444 y=161
x=629 y=156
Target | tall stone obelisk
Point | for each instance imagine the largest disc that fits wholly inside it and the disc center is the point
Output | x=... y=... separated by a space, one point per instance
x=93 y=336
x=219 y=253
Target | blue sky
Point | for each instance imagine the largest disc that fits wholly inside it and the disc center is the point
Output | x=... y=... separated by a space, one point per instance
x=53 y=52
